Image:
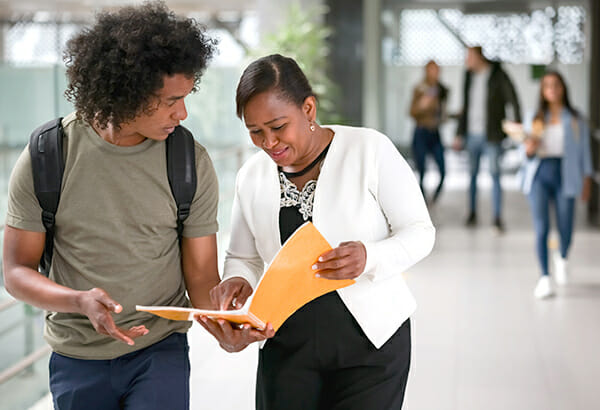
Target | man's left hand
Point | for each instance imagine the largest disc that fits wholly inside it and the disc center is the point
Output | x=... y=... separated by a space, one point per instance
x=347 y=261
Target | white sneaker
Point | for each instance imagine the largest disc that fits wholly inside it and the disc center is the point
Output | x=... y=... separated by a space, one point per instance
x=561 y=274
x=544 y=288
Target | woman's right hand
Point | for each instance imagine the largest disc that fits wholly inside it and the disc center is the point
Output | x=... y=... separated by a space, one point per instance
x=228 y=295
x=233 y=338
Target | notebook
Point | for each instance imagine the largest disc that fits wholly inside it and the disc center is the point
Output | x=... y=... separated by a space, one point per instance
x=288 y=284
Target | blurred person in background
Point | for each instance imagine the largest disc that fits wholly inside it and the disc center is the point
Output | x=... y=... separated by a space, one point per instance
x=428 y=108
x=116 y=241
x=487 y=92
x=558 y=169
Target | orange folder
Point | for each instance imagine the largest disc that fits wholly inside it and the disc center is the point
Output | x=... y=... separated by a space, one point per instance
x=288 y=284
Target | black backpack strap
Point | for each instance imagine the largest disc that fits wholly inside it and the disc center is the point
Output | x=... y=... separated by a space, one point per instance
x=181 y=170
x=47 y=162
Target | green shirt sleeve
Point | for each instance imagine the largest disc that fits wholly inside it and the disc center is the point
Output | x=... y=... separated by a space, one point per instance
x=23 y=210
x=202 y=220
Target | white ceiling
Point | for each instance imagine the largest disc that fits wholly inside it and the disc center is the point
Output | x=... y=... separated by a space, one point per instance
x=84 y=9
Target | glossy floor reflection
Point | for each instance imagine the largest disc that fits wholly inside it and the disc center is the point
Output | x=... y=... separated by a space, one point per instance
x=480 y=339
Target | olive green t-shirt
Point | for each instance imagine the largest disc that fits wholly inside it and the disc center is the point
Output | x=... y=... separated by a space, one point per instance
x=116 y=230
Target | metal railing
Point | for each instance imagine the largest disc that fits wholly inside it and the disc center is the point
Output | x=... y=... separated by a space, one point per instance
x=24 y=363
x=32 y=356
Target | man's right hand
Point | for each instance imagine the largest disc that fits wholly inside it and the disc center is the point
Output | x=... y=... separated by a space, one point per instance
x=98 y=306
x=22 y=252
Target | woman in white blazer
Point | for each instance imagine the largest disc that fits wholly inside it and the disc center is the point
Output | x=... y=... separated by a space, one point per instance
x=349 y=348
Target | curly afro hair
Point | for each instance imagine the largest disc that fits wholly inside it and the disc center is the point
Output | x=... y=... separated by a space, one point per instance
x=116 y=66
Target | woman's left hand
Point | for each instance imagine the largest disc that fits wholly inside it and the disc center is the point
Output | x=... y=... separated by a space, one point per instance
x=347 y=261
x=586 y=191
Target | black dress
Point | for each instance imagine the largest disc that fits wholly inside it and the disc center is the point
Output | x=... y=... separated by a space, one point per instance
x=320 y=358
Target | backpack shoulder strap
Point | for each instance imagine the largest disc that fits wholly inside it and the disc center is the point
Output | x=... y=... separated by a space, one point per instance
x=46 y=151
x=181 y=170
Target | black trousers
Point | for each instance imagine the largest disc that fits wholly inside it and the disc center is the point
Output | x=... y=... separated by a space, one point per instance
x=321 y=359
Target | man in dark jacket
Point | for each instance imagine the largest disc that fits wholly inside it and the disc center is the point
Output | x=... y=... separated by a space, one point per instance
x=487 y=92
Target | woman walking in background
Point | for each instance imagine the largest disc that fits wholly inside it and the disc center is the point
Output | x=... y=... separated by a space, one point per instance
x=557 y=170
x=428 y=110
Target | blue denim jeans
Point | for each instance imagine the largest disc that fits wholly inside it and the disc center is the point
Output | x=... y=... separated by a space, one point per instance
x=477 y=145
x=156 y=377
x=545 y=189
x=426 y=141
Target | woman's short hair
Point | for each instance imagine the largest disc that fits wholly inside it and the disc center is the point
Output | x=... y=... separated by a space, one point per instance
x=273 y=73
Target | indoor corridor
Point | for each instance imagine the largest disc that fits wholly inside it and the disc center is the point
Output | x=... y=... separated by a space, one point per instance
x=481 y=341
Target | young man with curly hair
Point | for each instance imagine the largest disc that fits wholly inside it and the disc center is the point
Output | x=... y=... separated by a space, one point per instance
x=116 y=243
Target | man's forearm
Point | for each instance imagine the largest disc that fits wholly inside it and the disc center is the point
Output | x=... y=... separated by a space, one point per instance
x=31 y=287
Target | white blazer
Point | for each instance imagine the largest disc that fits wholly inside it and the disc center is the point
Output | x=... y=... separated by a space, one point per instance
x=366 y=192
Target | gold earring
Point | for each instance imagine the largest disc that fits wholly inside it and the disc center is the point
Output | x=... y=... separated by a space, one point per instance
x=312 y=127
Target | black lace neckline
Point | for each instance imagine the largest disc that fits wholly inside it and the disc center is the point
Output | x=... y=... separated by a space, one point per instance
x=308 y=167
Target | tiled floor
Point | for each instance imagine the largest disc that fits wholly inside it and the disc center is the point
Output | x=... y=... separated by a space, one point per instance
x=480 y=339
